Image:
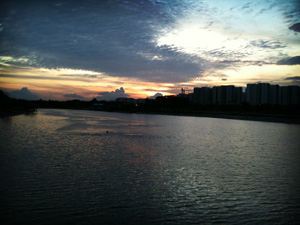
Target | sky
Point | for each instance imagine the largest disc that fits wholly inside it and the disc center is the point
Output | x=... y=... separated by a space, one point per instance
x=137 y=48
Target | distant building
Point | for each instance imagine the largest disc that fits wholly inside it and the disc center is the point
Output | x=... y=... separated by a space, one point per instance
x=255 y=94
x=285 y=96
x=294 y=95
x=252 y=94
x=258 y=94
x=219 y=95
x=202 y=95
x=238 y=95
x=215 y=95
x=274 y=94
x=229 y=95
x=264 y=93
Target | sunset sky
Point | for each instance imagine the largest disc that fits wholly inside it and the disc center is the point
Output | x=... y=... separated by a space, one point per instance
x=115 y=48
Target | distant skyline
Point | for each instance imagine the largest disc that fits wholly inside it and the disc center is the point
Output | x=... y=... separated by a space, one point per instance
x=116 y=48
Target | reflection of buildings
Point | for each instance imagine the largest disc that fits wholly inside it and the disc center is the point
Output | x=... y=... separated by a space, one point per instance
x=256 y=94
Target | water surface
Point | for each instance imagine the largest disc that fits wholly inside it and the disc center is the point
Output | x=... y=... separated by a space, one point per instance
x=86 y=167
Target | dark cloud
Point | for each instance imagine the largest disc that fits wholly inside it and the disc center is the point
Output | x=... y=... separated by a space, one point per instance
x=267 y=44
x=228 y=55
x=24 y=93
x=297 y=78
x=86 y=78
x=295 y=27
x=114 y=37
x=230 y=61
x=291 y=11
x=118 y=93
x=156 y=95
x=80 y=76
x=76 y=96
x=244 y=62
x=290 y=61
x=28 y=77
x=246 y=6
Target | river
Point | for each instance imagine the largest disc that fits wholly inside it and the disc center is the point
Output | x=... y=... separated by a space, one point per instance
x=88 y=167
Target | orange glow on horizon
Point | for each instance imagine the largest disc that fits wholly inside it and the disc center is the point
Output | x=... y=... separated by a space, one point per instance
x=55 y=83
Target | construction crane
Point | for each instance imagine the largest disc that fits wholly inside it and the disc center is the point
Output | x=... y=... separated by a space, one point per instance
x=185 y=90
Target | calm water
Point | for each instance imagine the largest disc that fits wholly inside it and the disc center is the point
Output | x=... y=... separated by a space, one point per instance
x=85 y=167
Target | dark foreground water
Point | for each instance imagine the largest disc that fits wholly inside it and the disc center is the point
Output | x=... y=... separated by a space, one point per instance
x=85 y=167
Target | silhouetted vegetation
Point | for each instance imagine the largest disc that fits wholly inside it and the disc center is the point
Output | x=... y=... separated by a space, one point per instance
x=9 y=106
x=171 y=105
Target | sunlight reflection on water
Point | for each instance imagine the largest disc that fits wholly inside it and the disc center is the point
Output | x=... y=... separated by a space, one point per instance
x=68 y=166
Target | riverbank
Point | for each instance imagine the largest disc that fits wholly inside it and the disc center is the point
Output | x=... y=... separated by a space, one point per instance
x=261 y=117
x=275 y=118
x=13 y=107
x=4 y=114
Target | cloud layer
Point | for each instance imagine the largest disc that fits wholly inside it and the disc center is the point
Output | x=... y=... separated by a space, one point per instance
x=295 y=27
x=112 y=95
x=114 y=37
x=290 y=61
x=124 y=38
x=73 y=96
x=24 y=93
x=156 y=95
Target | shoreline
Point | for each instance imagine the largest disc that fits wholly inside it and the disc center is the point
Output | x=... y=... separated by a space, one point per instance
x=247 y=116
x=258 y=118
x=16 y=113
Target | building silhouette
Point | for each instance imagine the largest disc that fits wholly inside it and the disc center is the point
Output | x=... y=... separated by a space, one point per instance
x=219 y=95
x=255 y=94
x=264 y=93
x=202 y=95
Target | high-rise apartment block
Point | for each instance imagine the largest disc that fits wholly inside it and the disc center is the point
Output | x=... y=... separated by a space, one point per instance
x=220 y=95
x=256 y=94
x=264 y=93
x=202 y=95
